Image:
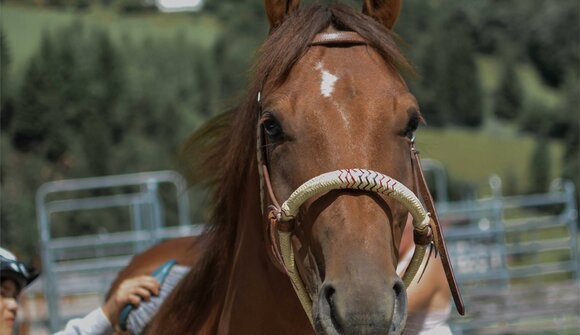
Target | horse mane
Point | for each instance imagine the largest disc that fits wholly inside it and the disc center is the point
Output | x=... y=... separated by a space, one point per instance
x=222 y=154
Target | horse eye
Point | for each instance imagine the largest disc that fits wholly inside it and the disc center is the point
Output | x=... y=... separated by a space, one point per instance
x=272 y=128
x=412 y=126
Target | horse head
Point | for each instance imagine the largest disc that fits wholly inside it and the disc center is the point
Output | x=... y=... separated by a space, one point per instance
x=342 y=104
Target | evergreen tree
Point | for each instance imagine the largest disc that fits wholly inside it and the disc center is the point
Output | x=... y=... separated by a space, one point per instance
x=457 y=89
x=37 y=100
x=571 y=108
x=425 y=89
x=535 y=117
x=555 y=40
x=508 y=96
x=102 y=123
x=540 y=166
x=420 y=25
x=6 y=104
x=4 y=54
x=564 y=118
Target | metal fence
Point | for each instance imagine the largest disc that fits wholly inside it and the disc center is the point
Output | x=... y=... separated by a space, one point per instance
x=516 y=259
x=77 y=270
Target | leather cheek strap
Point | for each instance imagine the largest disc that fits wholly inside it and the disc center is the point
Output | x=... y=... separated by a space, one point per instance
x=435 y=225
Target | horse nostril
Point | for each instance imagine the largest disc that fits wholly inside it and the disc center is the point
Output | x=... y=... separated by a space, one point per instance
x=329 y=294
x=400 y=310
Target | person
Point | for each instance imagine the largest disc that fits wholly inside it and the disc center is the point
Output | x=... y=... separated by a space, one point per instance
x=428 y=295
x=8 y=308
x=15 y=276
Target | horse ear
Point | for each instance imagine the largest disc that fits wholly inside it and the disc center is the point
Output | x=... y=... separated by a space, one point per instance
x=278 y=9
x=384 y=11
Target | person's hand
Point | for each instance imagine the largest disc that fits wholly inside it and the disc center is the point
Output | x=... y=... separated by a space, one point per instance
x=131 y=291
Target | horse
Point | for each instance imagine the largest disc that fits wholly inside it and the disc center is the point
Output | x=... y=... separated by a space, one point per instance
x=327 y=123
x=148 y=261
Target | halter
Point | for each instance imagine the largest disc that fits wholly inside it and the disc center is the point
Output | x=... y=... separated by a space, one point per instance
x=280 y=219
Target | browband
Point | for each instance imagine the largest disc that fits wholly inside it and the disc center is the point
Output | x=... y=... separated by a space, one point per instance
x=338 y=37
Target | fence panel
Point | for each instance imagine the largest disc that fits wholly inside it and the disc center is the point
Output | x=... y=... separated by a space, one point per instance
x=516 y=260
x=77 y=270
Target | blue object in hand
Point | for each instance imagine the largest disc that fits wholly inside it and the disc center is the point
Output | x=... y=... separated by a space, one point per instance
x=160 y=274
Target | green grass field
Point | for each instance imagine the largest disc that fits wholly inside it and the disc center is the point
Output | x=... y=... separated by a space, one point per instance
x=474 y=156
x=470 y=155
x=24 y=27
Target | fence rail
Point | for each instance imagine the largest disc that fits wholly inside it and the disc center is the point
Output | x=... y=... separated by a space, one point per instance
x=516 y=260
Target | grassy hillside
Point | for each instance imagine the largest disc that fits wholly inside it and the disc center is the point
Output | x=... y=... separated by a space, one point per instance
x=24 y=26
x=474 y=156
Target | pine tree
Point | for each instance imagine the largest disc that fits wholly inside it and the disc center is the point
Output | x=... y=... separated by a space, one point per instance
x=571 y=108
x=37 y=99
x=540 y=166
x=457 y=88
x=535 y=118
x=553 y=45
x=6 y=104
x=4 y=56
x=508 y=96
x=102 y=120
x=425 y=89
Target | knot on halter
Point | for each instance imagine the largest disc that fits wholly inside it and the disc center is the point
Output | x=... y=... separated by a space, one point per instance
x=275 y=219
x=422 y=234
x=426 y=222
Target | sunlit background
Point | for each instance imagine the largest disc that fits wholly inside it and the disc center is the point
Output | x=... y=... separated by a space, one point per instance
x=103 y=88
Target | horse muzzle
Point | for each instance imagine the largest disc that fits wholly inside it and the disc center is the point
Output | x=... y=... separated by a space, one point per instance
x=378 y=306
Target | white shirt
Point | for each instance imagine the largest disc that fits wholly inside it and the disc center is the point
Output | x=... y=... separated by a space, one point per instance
x=430 y=323
x=95 y=323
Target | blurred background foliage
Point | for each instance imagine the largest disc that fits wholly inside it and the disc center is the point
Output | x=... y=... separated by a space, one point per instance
x=92 y=88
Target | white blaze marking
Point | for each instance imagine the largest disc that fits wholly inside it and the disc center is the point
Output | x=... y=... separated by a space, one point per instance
x=342 y=113
x=328 y=81
x=327 y=85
